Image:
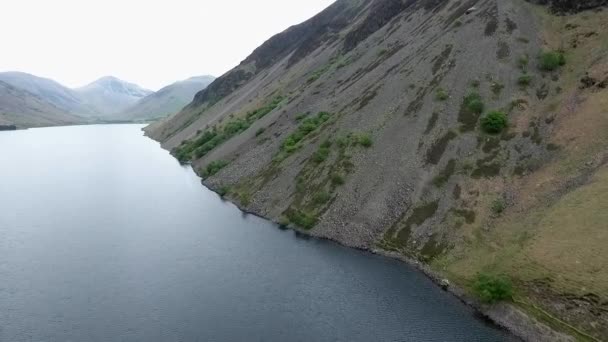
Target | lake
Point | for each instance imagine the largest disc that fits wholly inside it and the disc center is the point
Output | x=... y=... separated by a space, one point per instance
x=105 y=237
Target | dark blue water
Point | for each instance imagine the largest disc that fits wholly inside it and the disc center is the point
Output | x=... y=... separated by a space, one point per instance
x=105 y=237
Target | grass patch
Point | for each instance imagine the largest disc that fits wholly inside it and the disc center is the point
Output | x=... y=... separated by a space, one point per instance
x=214 y=167
x=445 y=175
x=307 y=126
x=365 y=140
x=321 y=197
x=552 y=60
x=499 y=206
x=337 y=179
x=441 y=95
x=524 y=81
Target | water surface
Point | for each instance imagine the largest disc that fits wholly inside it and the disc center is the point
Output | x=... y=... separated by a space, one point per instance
x=105 y=237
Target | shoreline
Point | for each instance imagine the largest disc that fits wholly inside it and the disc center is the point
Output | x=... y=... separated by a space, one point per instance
x=505 y=315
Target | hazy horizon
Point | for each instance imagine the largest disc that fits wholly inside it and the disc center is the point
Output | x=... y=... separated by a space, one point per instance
x=150 y=44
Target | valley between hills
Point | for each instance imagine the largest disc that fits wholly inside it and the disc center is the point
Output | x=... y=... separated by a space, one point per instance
x=30 y=101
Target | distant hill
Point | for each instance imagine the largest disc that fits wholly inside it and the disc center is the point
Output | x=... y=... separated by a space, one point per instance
x=22 y=109
x=110 y=96
x=61 y=97
x=30 y=101
x=169 y=100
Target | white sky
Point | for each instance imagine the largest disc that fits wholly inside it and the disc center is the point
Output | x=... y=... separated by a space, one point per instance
x=148 y=42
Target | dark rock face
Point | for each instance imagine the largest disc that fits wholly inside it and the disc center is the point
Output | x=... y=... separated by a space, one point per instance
x=221 y=87
x=301 y=40
x=571 y=6
x=382 y=11
x=8 y=127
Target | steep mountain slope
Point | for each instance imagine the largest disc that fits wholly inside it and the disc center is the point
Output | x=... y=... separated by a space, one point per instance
x=466 y=134
x=167 y=101
x=22 y=109
x=109 y=96
x=52 y=92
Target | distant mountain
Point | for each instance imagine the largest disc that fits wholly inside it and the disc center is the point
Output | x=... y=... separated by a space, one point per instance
x=110 y=96
x=169 y=100
x=21 y=108
x=61 y=97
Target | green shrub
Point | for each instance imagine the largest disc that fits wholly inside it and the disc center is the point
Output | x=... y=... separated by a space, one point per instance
x=337 y=179
x=321 y=197
x=491 y=288
x=494 y=122
x=260 y=132
x=524 y=80
x=499 y=206
x=474 y=103
x=321 y=155
x=551 y=60
x=365 y=140
x=442 y=95
x=302 y=219
x=475 y=83
x=214 y=167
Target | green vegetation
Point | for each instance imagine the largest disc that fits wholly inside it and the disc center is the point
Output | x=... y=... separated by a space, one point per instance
x=302 y=219
x=215 y=136
x=523 y=62
x=445 y=175
x=524 y=81
x=322 y=154
x=494 y=122
x=337 y=179
x=260 y=131
x=321 y=197
x=365 y=140
x=470 y=110
x=492 y=289
x=319 y=179
x=307 y=126
x=474 y=103
x=551 y=60
x=214 y=167
x=498 y=206
x=441 y=95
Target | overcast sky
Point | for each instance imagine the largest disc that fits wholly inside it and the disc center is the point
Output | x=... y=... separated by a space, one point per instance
x=148 y=42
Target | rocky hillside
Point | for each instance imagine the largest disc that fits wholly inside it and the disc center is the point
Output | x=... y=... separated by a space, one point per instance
x=167 y=101
x=465 y=134
x=109 y=96
x=21 y=109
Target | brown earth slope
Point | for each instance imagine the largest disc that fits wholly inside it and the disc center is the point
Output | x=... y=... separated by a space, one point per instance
x=353 y=126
